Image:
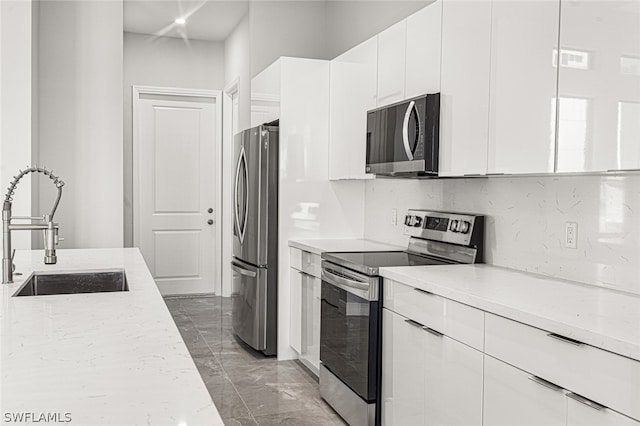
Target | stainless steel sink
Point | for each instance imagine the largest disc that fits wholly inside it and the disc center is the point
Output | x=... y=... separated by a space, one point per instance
x=43 y=284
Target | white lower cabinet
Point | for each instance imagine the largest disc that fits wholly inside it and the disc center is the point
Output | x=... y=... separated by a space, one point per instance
x=587 y=414
x=513 y=397
x=403 y=371
x=506 y=373
x=310 y=322
x=304 y=293
x=295 y=325
x=428 y=378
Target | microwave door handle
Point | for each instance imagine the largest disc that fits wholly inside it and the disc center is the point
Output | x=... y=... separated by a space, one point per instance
x=405 y=130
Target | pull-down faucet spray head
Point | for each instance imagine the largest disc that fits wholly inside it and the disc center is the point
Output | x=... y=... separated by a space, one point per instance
x=49 y=228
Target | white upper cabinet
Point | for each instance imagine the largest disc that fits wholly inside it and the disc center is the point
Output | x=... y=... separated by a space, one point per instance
x=424 y=42
x=599 y=86
x=464 y=100
x=524 y=35
x=392 y=48
x=352 y=94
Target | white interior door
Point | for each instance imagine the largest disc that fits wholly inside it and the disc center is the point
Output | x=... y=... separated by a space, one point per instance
x=176 y=190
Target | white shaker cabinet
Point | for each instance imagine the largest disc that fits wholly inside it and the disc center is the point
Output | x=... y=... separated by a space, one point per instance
x=513 y=397
x=392 y=47
x=424 y=43
x=524 y=35
x=352 y=93
x=464 y=99
x=599 y=86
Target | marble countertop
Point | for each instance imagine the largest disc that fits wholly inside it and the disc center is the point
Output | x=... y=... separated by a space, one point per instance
x=102 y=358
x=342 y=245
x=604 y=318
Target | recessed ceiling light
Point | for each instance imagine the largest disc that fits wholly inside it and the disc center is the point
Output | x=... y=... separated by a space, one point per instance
x=181 y=21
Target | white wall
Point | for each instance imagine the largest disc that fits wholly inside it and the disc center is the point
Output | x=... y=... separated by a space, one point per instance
x=349 y=23
x=526 y=218
x=16 y=106
x=80 y=84
x=166 y=62
x=237 y=51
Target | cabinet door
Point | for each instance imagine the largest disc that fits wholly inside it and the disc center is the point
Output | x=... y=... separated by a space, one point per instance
x=352 y=93
x=311 y=322
x=585 y=413
x=599 y=86
x=424 y=42
x=464 y=99
x=453 y=382
x=295 y=292
x=403 y=370
x=391 y=63
x=514 y=397
x=524 y=35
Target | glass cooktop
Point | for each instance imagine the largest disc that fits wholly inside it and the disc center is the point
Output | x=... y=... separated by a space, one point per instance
x=370 y=262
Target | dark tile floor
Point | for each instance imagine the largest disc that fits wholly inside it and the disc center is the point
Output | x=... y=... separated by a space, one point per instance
x=247 y=388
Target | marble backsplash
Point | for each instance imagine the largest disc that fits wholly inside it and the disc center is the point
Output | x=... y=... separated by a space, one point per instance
x=525 y=221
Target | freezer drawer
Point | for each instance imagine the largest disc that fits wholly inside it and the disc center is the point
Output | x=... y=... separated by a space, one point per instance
x=249 y=298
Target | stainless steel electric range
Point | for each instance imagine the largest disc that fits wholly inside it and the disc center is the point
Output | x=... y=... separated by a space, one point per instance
x=351 y=307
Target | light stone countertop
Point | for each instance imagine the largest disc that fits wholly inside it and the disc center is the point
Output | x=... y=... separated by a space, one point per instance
x=342 y=245
x=600 y=317
x=104 y=358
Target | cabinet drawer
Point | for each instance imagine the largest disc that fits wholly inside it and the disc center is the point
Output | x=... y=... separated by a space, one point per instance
x=311 y=264
x=580 y=414
x=611 y=380
x=295 y=258
x=458 y=321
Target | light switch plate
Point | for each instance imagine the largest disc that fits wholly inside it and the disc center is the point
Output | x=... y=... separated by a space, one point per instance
x=571 y=235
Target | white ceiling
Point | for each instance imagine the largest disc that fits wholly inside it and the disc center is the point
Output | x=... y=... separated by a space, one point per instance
x=206 y=19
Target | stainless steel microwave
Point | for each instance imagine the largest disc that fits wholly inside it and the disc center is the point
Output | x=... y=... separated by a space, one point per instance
x=403 y=138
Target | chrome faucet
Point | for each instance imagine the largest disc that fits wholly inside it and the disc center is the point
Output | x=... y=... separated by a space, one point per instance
x=49 y=228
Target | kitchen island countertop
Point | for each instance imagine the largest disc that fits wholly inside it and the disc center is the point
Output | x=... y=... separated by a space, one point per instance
x=97 y=358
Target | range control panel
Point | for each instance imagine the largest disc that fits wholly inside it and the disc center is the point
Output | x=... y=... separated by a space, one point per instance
x=455 y=228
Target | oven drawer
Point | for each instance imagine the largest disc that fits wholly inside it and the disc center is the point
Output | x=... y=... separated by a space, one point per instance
x=610 y=379
x=456 y=320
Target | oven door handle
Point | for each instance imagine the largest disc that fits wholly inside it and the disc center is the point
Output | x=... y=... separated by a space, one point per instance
x=357 y=288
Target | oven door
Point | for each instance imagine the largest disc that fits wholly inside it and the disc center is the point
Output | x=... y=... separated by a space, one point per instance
x=350 y=328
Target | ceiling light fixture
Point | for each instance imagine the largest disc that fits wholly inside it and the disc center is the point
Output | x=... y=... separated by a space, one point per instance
x=181 y=21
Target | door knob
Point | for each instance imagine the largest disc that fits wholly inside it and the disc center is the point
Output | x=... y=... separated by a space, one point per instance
x=210 y=210
x=210 y=221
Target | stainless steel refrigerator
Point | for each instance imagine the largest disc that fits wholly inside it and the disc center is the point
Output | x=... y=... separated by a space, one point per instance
x=255 y=243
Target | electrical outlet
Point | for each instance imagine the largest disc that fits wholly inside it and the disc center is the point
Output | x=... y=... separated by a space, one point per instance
x=571 y=235
x=394 y=216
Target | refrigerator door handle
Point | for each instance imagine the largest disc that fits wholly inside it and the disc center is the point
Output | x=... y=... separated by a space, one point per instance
x=241 y=159
x=239 y=269
x=246 y=195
